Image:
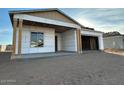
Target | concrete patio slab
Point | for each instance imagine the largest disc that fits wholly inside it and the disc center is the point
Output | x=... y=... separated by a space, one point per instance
x=41 y=55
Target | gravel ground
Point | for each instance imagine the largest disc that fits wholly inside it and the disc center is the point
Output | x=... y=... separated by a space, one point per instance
x=89 y=68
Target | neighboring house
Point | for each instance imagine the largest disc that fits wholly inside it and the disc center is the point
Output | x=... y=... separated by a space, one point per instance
x=51 y=30
x=2 y=48
x=8 y=48
x=5 y=48
x=115 y=41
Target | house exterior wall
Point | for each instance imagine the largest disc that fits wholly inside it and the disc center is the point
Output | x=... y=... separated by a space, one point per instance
x=69 y=40
x=66 y=40
x=116 y=42
x=49 y=40
x=96 y=34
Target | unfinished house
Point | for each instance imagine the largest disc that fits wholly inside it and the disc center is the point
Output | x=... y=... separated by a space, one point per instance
x=51 y=31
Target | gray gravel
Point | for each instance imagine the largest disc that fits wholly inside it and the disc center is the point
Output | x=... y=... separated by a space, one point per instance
x=89 y=68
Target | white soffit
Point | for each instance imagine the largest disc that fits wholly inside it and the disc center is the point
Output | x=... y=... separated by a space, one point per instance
x=44 y=20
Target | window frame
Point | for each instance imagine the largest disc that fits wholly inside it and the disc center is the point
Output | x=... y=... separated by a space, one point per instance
x=37 y=36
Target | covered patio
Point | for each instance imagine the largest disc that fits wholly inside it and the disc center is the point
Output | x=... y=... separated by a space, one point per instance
x=65 y=37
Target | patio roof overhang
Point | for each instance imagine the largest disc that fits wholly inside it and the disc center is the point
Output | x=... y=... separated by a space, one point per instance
x=46 y=21
x=58 y=29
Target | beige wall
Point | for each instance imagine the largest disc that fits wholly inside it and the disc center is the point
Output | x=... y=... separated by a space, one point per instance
x=52 y=15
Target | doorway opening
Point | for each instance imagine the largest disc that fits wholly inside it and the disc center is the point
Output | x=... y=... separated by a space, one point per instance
x=56 y=43
x=90 y=43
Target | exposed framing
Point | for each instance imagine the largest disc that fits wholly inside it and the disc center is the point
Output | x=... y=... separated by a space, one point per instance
x=79 y=43
x=14 y=35
x=20 y=36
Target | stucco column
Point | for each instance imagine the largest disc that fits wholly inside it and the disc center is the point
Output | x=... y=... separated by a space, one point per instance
x=20 y=36
x=101 y=45
x=14 y=35
x=79 y=42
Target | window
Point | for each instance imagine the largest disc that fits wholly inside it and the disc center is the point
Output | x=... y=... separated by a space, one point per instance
x=37 y=39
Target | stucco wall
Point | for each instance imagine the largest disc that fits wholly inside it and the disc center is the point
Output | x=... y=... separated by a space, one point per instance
x=69 y=40
x=114 y=42
x=49 y=40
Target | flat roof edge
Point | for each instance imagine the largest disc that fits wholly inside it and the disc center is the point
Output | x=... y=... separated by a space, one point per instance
x=32 y=10
x=92 y=30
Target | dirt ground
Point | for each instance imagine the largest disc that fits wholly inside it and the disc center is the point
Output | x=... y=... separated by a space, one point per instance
x=89 y=68
x=115 y=51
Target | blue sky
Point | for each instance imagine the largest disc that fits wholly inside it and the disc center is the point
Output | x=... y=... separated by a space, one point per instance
x=101 y=19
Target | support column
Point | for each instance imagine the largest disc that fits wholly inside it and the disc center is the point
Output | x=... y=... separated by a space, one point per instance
x=79 y=42
x=101 y=44
x=20 y=36
x=14 y=35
